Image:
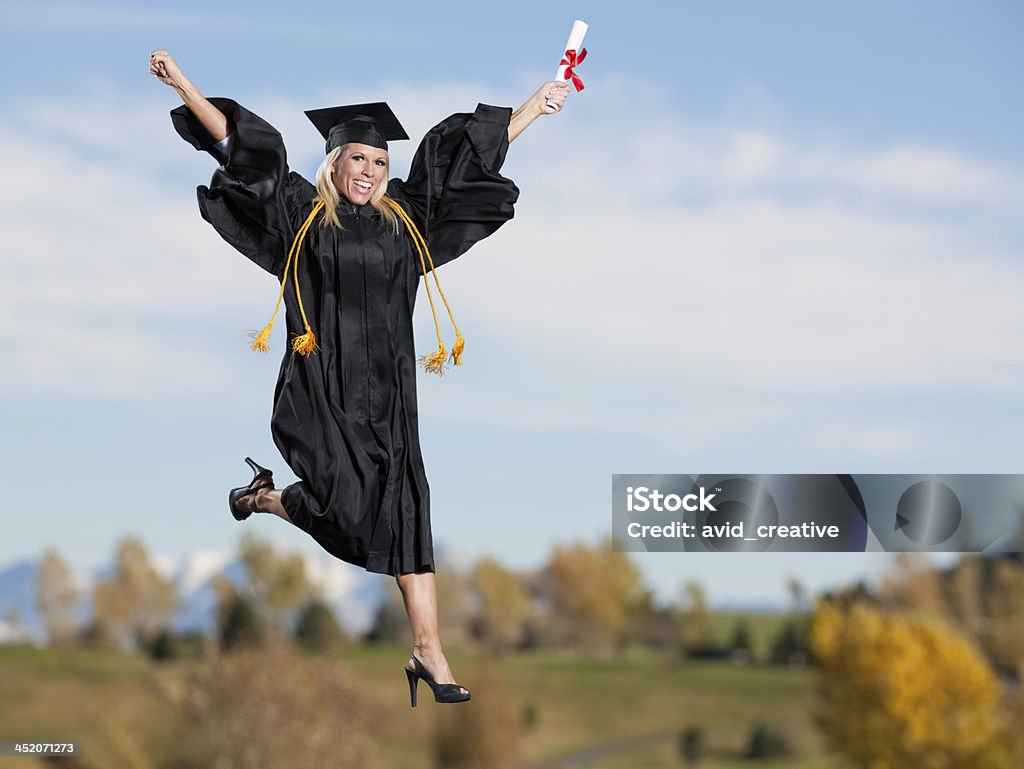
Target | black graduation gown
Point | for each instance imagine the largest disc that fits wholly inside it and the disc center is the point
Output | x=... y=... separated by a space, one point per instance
x=345 y=417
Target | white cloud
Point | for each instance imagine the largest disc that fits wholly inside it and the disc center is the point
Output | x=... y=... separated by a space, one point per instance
x=928 y=173
x=777 y=296
x=652 y=261
x=869 y=437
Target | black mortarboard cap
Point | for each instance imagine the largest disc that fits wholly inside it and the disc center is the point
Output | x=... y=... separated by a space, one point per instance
x=373 y=124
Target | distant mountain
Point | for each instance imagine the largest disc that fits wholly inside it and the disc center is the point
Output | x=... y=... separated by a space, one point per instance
x=18 y=615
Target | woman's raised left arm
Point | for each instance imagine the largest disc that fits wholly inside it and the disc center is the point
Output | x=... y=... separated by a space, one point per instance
x=547 y=100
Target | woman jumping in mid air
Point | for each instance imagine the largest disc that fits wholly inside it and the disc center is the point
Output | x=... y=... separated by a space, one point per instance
x=349 y=251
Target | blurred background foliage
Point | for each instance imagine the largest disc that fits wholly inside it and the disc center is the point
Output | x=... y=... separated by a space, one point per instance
x=575 y=664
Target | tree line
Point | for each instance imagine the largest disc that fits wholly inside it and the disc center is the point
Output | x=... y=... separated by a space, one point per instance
x=585 y=598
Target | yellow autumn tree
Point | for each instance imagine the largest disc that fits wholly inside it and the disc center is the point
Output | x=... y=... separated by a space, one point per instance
x=503 y=605
x=1013 y=714
x=693 y=617
x=277 y=582
x=592 y=592
x=966 y=595
x=135 y=601
x=905 y=691
x=1004 y=600
x=57 y=596
x=914 y=584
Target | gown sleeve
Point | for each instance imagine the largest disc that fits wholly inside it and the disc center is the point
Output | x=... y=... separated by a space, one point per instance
x=253 y=198
x=455 y=193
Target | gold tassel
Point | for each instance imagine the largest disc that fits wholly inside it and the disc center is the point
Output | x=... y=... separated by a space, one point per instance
x=305 y=344
x=434 y=363
x=457 y=348
x=260 y=341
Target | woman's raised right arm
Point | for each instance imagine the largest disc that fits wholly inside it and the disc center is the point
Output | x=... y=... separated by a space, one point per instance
x=165 y=69
x=253 y=201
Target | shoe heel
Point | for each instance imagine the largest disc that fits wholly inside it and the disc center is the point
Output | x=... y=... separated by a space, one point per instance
x=413 y=680
x=262 y=478
x=257 y=470
x=442 y=692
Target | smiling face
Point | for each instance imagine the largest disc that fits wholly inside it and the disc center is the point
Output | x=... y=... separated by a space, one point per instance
x=359 y=171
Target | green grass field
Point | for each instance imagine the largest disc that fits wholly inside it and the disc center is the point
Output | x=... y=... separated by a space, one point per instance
x=626 y=712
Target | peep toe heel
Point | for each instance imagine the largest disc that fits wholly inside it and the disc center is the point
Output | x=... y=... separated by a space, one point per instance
x=442 y=692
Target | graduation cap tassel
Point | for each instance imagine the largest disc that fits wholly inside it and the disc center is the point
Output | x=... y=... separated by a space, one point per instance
x=305 y=344
x=433 y=363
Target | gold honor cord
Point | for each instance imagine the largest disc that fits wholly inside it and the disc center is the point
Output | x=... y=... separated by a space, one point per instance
x=433 y=363
x=306 y=343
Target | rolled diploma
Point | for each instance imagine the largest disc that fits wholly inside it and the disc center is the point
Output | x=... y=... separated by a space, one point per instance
x=574 y=43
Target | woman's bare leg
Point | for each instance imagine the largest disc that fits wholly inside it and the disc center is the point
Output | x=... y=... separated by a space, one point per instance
x=419 y=592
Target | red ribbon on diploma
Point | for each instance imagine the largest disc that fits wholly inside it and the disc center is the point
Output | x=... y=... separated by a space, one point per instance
x=570 y=60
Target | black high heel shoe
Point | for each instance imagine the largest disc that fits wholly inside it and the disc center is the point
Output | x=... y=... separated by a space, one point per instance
x=442 y=692
x=262 y=478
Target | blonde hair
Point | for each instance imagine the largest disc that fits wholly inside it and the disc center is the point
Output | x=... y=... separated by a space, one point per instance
x=328 y=193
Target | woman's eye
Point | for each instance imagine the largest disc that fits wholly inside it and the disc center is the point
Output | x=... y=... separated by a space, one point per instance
x=381 y=163
x=357 y=158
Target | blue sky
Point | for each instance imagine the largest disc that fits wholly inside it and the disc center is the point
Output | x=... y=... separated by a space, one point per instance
x=775 y=237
